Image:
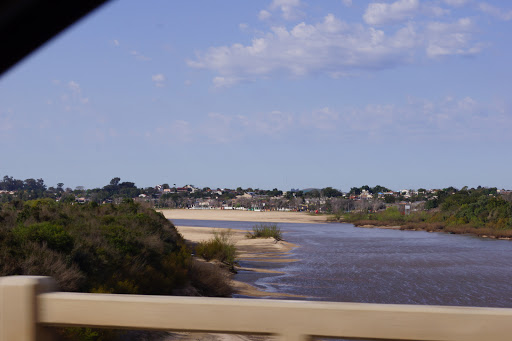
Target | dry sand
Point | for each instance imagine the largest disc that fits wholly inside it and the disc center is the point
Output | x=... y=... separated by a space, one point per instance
x=259 y=249
x=238 y=215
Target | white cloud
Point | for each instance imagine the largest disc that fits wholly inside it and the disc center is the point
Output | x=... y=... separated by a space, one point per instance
x=243 y=26
x=339 y=49
x=74 y=86
x=225 y=82
x=456 y=3
x=448 y=118
x=434 y=11
x=179 y=131
x=72 y=98
x=218 y=128
x=323 y=119
x=158 y=79
x=264 y=15
x=139 y=56
x=347 y=3
x=289 y=8
x=451 y=38
x=495 y=11
x=116 y=42
x=332 y=47
x=379 y=13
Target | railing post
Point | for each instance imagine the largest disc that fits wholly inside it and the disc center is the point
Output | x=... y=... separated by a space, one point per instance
x=18 y=308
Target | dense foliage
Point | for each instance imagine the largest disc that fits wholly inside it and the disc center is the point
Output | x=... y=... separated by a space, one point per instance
x=124 y=248
x=479 y=211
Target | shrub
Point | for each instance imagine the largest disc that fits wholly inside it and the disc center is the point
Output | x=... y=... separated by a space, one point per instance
x=265 y=231
x=220 y=247
x=53 y=235
x=209 y=280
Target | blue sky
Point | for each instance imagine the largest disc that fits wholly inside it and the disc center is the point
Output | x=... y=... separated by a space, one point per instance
x=264 y=94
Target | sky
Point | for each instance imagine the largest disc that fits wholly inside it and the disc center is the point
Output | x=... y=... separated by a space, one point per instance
x=265 y=94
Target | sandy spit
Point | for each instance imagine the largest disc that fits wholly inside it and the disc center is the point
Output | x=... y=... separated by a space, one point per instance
x=261 y=250
x=237 y=215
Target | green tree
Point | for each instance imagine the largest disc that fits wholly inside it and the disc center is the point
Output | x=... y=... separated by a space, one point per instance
x=331 y=192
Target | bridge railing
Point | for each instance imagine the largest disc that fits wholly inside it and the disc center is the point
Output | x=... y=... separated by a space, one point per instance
x=29 y=308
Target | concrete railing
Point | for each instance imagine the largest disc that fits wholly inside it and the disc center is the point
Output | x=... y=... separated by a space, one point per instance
x=29 y=308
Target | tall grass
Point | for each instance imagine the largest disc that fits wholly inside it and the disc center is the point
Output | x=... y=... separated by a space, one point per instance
x=265 y=231
x=221 y=247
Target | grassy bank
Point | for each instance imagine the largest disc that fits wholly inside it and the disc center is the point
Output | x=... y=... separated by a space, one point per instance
x=481 y=215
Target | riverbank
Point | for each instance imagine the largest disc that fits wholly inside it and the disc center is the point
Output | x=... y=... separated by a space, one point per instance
x=259 y=249
x=483 y=232
x=238 y=215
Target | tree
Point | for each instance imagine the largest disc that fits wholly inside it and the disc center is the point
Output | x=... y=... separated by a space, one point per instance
x=355 y=191
x=115 y=181
x=379 y=189
x=389 y=199
x=331 y=192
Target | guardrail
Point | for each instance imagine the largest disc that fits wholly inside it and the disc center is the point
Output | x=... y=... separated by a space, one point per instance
x=29 y=307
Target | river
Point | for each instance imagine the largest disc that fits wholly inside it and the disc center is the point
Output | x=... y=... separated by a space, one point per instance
x=343 y=263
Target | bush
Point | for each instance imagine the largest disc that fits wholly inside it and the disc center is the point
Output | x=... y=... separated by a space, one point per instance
x=209 y=280
x=124 y=248
x=265 y=231
x=53 y=235
x=220 y=247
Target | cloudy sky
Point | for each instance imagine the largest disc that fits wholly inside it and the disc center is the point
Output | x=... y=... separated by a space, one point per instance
x=270 y=93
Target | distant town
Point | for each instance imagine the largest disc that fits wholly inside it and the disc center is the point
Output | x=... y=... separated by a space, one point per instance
x=320 y=200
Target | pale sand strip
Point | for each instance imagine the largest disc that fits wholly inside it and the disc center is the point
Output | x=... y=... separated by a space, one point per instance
x=261 y=250
x=237 y=215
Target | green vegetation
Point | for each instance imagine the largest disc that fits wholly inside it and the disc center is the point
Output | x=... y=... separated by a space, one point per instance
x=478 y=211
x=126 y=249
x=221 y=247
x=265 y=231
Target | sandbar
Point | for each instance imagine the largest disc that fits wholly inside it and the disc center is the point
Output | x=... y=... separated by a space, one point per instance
x=259 y=249
x=239 y=215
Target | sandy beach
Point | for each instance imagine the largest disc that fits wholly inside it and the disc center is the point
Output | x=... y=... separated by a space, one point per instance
x=238 y=215
x=261 y=250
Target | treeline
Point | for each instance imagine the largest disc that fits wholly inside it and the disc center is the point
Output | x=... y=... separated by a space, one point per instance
x=480 y=211
x=30 y=189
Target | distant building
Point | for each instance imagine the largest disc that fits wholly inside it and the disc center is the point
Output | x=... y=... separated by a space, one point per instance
x=404 y=208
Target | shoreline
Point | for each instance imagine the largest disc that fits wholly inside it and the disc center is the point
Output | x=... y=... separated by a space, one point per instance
x=436 y=227
x=239 y=215
x=258 y=249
